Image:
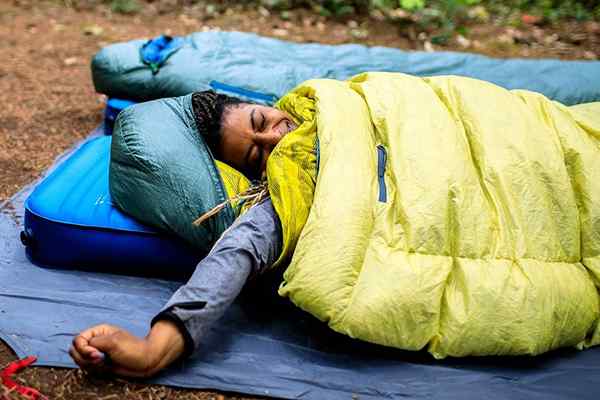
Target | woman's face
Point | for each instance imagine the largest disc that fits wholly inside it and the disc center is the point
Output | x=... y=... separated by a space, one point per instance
x=250 y=132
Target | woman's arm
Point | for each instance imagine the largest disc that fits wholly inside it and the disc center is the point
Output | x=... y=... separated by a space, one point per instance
x=248 y=247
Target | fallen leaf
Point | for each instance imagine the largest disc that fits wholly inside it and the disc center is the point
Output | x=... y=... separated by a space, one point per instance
x=399 y=13
x=93 y=30
x=463 y=41
x=280 y=32
x=264 y=12
x=187 y=20
x=538 y=34
x=378 y=15
x=477 y=45
x=69 y=61
x=211 y=9
x=531 y=19
x=506 y=38
x=548 y=40
x=359 y=33
x=479 y=13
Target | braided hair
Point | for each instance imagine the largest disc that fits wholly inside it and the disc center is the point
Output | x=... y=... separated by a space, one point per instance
x=210 y=108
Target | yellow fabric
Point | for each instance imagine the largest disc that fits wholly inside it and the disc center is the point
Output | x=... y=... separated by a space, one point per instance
x=292 y=169
x=488 y=242
x=235 y=183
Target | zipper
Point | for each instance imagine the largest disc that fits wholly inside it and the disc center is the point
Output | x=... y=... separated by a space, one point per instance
x=263 y=97
x=318 y=151
x=381 y=163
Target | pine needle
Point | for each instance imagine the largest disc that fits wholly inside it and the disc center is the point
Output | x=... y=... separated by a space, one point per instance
x=253 y=195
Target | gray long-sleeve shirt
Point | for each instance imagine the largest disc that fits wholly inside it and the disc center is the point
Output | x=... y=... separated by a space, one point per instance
x=247 y=248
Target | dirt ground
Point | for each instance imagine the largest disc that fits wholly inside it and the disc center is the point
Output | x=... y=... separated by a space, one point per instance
x=47 y=100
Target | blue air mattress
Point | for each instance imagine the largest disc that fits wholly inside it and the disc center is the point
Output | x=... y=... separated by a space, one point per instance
x=111 y=112
x=70 y=222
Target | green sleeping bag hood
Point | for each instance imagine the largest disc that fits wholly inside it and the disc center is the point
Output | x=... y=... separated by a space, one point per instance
x=163 y=173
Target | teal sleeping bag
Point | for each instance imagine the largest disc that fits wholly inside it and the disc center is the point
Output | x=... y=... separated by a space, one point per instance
x=264 y=69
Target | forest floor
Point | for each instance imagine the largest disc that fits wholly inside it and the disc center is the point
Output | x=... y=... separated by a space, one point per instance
x=48 y=102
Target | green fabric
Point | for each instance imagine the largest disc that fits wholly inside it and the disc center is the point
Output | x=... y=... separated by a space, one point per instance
x=163 y=174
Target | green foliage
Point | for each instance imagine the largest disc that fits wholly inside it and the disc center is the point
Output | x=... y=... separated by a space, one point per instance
x=336 y=8
x=448 y=17
x=449 y=10
x=383 y=4
x=412 y=4
x=277 y=4
x=125 y=6
x=557 y=9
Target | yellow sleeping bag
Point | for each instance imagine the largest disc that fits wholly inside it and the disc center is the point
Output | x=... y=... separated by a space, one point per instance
x=448 y=214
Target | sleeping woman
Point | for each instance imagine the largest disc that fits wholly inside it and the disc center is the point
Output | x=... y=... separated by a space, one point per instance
x=448 y=212
x=242 y=135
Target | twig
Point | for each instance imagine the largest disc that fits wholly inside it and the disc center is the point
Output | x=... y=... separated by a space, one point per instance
x=253 y=195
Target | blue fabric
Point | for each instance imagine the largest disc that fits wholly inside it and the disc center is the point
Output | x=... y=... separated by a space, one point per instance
x=273 y=67
x=112 y=110
x=242 y=93
x=157 y=51
x=263 y=345
x=71 y=222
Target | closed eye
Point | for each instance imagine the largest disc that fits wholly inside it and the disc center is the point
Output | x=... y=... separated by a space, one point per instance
x=252 y=123
x=263 y=122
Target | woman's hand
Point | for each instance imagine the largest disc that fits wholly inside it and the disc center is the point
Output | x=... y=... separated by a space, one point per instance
x=128 y=355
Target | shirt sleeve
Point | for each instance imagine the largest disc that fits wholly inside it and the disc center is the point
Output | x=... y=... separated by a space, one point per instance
x=247 y=248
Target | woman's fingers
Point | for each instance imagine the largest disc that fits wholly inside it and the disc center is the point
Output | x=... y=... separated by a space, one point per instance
x=82 y=352
x=82 y=346
x=99 y=330
x=106 y=343
x=82 y=361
